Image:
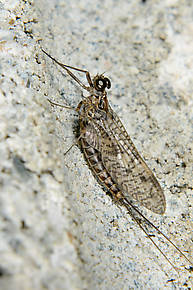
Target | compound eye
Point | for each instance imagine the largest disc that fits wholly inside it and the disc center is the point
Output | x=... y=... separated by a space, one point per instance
x=100 y=84
x=108 y=83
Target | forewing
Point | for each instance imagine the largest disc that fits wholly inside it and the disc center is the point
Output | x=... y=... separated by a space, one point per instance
x=126 y=167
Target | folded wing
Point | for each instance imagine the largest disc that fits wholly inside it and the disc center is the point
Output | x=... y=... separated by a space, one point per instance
x=126 y=167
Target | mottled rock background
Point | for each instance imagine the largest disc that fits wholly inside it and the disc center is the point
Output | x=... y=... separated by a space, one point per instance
x=59 y=229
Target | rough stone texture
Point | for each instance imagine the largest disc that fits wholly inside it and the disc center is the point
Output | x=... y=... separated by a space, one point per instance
x=59 y=229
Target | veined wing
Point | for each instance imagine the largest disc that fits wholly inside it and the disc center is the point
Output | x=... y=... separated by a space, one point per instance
x=126 y=167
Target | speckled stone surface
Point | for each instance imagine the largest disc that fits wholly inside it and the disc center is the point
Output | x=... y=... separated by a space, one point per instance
x=58 y=228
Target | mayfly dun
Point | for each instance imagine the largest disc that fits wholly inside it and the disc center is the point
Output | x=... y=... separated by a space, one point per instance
x=112 y=156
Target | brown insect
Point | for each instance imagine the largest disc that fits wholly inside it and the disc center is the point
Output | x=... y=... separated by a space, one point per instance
x=112 y=156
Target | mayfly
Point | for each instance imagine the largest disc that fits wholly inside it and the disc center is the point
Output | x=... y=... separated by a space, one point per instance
x=112 y=156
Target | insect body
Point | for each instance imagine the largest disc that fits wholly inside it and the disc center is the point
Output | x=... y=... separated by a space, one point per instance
x=112 y=156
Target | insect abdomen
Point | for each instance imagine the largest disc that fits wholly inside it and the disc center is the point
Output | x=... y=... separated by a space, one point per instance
x=95 y=163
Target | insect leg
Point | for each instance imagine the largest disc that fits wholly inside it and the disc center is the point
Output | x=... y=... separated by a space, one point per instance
x=71 y=108
x=71 y=74
x=61 y=105
x=75 y=143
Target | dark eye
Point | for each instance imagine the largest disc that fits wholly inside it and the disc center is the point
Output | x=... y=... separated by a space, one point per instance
x=108 y=83
x=102 y=83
